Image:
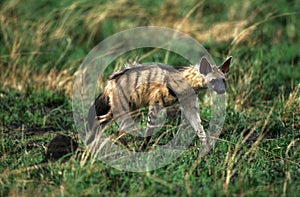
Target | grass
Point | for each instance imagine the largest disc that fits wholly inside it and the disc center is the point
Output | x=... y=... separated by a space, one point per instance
x=44 y=42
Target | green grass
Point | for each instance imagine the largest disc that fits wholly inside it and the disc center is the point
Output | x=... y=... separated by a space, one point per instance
x=42 y=44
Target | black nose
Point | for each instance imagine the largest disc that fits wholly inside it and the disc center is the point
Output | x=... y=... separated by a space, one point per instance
x=220 y=91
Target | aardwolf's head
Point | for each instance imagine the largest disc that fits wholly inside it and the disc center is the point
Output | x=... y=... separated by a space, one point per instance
x=214 y=76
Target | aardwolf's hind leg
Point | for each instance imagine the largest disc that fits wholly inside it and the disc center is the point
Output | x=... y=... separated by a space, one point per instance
x=156 y=117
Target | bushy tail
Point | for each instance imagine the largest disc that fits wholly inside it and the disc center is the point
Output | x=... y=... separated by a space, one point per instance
x=100 y=107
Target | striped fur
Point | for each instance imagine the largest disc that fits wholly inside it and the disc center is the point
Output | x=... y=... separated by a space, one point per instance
x=157 y=86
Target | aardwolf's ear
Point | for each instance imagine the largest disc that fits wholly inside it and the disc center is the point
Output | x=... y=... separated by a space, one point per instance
x=204 y=67
x=225 y=66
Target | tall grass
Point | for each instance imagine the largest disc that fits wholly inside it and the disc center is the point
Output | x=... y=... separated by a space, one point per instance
x=44 y=42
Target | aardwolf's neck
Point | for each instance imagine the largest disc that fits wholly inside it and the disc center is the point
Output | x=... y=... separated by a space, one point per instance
x=194 y=78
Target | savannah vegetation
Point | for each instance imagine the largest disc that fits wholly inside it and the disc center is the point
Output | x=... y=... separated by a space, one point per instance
x=42 y=44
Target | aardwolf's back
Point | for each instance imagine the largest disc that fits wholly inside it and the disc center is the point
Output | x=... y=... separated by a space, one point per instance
x=143 y=85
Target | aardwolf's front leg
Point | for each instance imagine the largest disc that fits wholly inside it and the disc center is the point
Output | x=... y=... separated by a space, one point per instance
x=191 y=113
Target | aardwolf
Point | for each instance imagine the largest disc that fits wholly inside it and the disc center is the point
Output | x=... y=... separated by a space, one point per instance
x=157 y=86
